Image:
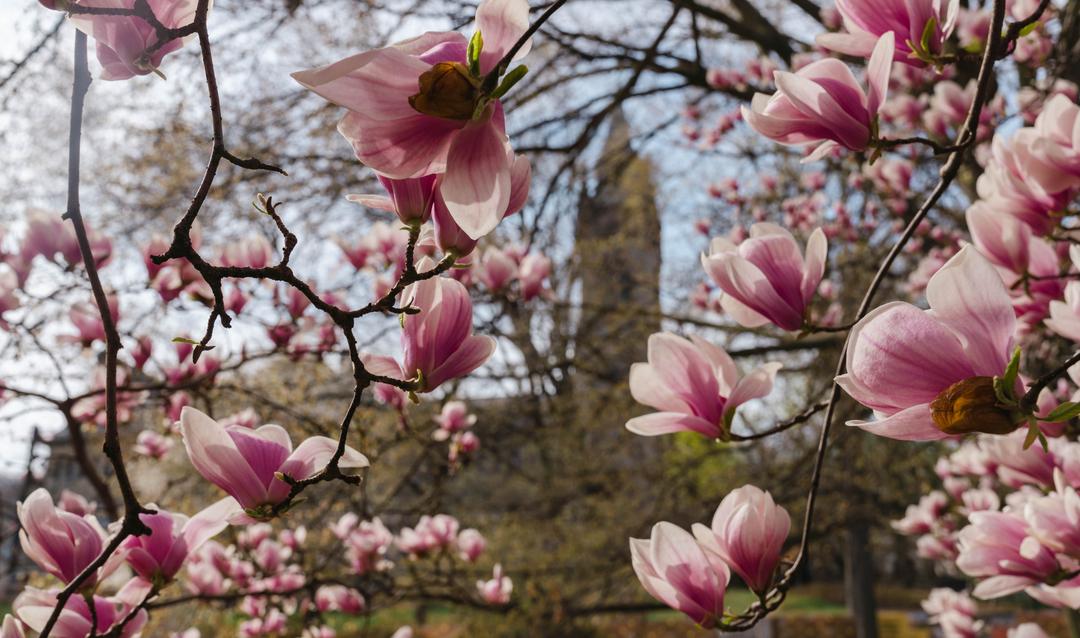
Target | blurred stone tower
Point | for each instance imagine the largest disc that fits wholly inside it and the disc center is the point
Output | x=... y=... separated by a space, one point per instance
x=617 y=262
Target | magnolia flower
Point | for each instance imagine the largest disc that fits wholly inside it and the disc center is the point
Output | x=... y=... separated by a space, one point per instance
x=152 y=444
x=339 y=598
x=246 y=463
x=823 y=103
x=60 y=542
x=694 y=385
x=34 y=607
x=411 y=199
x=416 y=108
x=158 y=556
x=766 y=278
x=928 y=374
x=123 y=42
x=454 y=418
x=534 y=270
x=994 y=547
x=497 y=590
x=76 y=504
x=470 y=544
x=675 y=570
x=437 y=341
x=496 y=269
x=920 y=27
x=1058 y=126
x=748 y=532
x=366 y=545
x=252 y=252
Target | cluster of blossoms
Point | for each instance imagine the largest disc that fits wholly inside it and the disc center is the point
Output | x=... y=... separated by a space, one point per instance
x=690 y=572
x=1005 y=516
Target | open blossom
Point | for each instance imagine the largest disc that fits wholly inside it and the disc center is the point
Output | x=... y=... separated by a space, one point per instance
x=152 y=444
x=430 y=533
x=533 y=272
x=994 y=547
x=415 y=109
x=34 y=607
x=865 y=22
x=244 y=462
x=470 y=544
x=123 y=41
x=920 y=519
x=438 y=341
x=823 y=103
x=48 y=235
x=158 y=557
x=454 y=418
x=339 y=598
x=748 y=532
x=87 y=320
x=366 y=545
x=251 y=252
x=675 y=570
x=496 y=269
x=928 y=374
x=497 y=590
x=60 y=542
x=694 y=385
x=766 y=278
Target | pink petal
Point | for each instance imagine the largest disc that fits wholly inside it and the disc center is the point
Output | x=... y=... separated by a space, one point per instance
x=376 y=83
x=968 y=296
x=501 y=23
x=877 y=72
x=216 y=457
x=911 y=424
x=476 y=186
x=659 y=423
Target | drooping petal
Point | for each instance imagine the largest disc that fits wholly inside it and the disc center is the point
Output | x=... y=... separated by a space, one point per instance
x=659 y=423
x=911 y=424
x=476 y=186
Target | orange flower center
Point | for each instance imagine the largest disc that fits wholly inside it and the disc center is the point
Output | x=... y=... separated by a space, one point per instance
x=971 y=406
x=446 y=91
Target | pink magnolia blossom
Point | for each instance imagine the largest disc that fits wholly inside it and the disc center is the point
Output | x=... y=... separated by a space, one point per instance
x=766 y=278
x=1003 y=239
x=454 y=418
x=76 y=504
x=942 y=600
x=866 y=22
x=205 y=579
x=823 y=103
x=87 y=320
x=675 y=570
x=158 y=557
x=533 y=272
x=1058 y=126
x=437 y=341
x=1054 y=520
x=61 y=543
x=462 y=443
x=994 y=548
x=497 y=590
x=694 y=385
x=366 y=546
x=245 y=462
x=252 y=252
x=48 y=235
x=902 y=358
x=470 y=544
x=339 y=598
x=920 y=518
x=748 y=532
x=34 y=607
x=397 y=129
x=411 y=199
x=496 y=270
x=385 y=366
x=122 y=41
x=152 y=444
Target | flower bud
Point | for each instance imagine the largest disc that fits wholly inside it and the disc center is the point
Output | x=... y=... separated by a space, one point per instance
x=969 y=406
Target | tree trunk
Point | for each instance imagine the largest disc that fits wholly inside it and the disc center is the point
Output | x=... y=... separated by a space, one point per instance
x=859 y=579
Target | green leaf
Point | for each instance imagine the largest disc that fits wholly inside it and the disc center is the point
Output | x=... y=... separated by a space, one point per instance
x=1029 y=28
x=189 y=341
x=928 y=32
x=1033 y=433
x=510 y=80
x=1012 y=371
x=1002 y=393
x=1063 y=412
x=472 y=54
